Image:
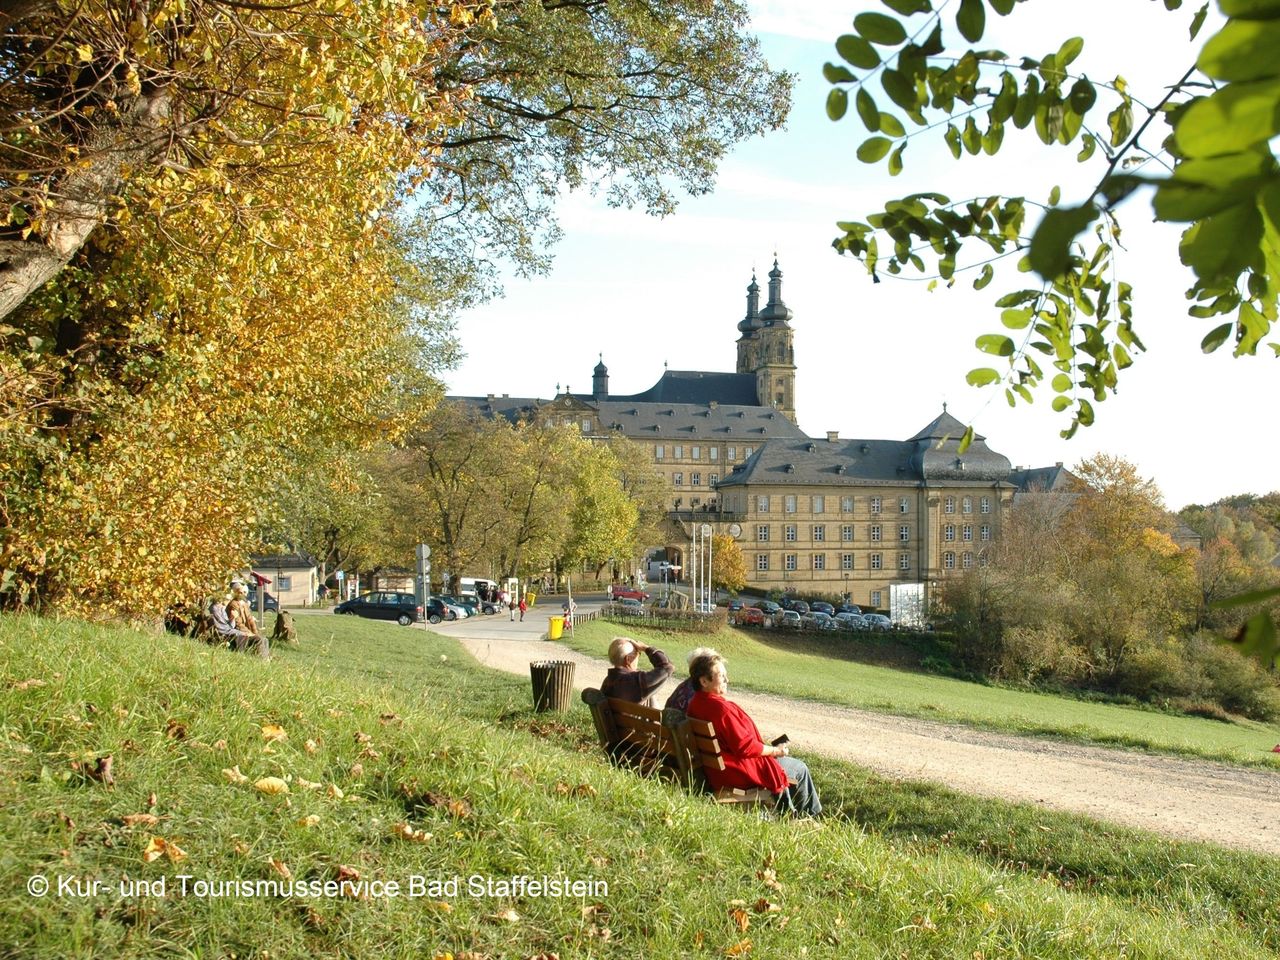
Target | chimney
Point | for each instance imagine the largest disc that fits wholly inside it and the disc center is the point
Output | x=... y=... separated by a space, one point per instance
x=833 y=436
x=490 y=398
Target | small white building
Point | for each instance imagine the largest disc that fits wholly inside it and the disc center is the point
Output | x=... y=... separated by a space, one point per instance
x=291 y=578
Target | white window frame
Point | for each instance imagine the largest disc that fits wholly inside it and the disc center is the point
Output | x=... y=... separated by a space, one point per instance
x=966 y=505
x=874 y=533
x=966 y=560
x=695 y=452
x=713 y=453
x=732 y=453
x=789 y=561
x=984 y=505
x=762 y=503
x=695 y=479
x=949 y=533
x=677 y=451
x=846 y=504
x=949 y=505
x=659 y=451
x=677 y=479
x=877 y=561
x=949 y=560
x=876 y=504
x=819 y=533
x=819 y=561
x=904 y=505
x=846 y=561
x=762 y=533
x=762 y=561
x=846 y=533
x=875 y=598
x=904 y=533
x=984 y=533
x=789 y=533
x=818 y=503
x=904 y=561
x=966 y=533
x=789 y=503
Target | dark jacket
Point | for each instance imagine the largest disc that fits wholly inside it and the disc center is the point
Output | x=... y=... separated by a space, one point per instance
x=638 y=686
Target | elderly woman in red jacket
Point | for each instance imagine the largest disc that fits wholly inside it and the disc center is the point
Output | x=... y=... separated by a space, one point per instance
x=749 y=762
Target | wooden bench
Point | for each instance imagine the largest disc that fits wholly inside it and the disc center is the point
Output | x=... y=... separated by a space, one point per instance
x=701 y=750
x=633 y=734
x=665 y=742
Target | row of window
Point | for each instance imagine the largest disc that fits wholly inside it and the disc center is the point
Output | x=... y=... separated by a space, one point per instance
x=695 y=452
x=875 y=561
x=818 y=504
x=875 y=532
x=695 y=479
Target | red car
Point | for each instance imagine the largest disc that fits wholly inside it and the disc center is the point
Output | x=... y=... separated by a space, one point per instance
x=621 y=592
x=749 y=616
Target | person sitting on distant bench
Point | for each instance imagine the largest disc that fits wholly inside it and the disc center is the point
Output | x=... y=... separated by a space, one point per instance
x=223 y=627
x=625 y=682
x=681 y=695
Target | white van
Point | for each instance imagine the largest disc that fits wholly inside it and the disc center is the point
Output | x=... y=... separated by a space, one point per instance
x=467 y=588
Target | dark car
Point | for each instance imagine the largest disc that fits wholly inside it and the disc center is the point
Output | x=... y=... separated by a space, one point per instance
x=438 y=610
x=800 y=607
x=769 y=607
x=469 y=604
x=383 y=605
x=735 y=605
x=821 y=606
x=848 y=608
x=269 y=600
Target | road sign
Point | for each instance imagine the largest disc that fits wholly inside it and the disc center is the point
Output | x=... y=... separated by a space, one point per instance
x=338 y=575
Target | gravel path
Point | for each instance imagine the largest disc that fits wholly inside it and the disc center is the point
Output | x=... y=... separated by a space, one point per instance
x=1186 y=799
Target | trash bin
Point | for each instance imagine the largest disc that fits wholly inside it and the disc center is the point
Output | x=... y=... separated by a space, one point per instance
x=552 y=684
x=555 y=628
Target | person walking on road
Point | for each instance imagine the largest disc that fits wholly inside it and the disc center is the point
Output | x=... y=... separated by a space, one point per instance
x=523 y=607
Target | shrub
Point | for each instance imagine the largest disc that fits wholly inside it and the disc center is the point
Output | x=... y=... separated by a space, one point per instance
x=1235 y=682
x=1030 y=654
x=1159 y=670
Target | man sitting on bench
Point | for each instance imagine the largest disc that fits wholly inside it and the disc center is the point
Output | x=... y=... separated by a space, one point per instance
x=624 y=681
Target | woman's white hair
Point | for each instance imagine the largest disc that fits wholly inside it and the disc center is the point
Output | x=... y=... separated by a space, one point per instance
x=697 y=652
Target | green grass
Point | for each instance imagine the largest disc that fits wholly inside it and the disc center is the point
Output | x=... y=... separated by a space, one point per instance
x=774 y=663
x=455 y=751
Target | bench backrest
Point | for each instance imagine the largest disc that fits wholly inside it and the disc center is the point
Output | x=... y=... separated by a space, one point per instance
x=630 y=727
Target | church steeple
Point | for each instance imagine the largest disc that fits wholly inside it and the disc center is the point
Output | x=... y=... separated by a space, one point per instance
x=600 y=380
x=775 y=310
x=774 y=356
x=748 y=326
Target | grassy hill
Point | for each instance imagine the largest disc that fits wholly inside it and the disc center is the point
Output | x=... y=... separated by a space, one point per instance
x=403 y=759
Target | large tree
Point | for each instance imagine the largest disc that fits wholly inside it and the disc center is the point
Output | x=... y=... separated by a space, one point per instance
x=1202 y=143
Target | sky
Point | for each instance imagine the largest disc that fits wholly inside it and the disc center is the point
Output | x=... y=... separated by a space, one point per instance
x=879 y=360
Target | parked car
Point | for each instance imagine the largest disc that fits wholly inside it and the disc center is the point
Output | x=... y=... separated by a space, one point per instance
x=630 y=606
x=818 y=621
x=749 y=617
x=850 y=621
x=877 y=621
x=848 y=608
x=821 y=606
x=769 y=607
x=438 y=610
x=788 y=619
x=623 y=592
x=800 y=607
x=466 y=604
x=269 y=599
x=735 y=605
x=383 y=605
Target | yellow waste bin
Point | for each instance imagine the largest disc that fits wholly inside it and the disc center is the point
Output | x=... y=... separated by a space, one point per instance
x=555 y=628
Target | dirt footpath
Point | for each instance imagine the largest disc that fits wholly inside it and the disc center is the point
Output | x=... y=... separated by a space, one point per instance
x=1186 y=799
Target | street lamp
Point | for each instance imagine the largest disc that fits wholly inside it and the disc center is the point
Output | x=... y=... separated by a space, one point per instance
x=846 y=586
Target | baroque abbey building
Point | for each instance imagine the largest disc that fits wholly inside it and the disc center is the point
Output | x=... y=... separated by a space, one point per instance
x=812 y=515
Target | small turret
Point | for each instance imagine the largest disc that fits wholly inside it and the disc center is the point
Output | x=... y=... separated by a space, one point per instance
x=600 y=380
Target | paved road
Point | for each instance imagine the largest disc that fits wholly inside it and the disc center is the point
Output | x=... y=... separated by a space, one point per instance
x=1187 y=799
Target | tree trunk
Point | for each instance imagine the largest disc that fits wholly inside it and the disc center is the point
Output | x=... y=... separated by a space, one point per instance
x=84 y=196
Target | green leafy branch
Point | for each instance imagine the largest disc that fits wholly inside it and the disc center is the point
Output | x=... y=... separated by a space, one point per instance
x=1222 y=180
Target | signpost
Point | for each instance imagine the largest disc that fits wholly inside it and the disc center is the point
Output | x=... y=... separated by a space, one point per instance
x=422 y=578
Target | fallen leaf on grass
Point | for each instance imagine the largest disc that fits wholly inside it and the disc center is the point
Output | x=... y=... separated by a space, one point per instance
x=309 y=821
x=405 y=832
x=389 y=718
x=740 y=918
x=158 y=847
x=444 y=906
x=175 y=729
x=357 y=770
x=151 y=800
x=274 y=733
x=271 y=786
x=348 y=873
x=335 y=791
x=307 y=784
x=280 y=867
x=769 y=878
x=362 y=737
x=506 y=916
x=234 y=775
x=240 y=847
x=220 y=745
x=335 y=713
x=311 y=746
x=764 y=906
x=29 y=684
x=140 y=819
x=739 y=949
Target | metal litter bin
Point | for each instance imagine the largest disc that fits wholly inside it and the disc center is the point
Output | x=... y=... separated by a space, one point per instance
x=552 y=684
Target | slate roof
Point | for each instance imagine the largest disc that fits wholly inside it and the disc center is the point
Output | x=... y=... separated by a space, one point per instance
x=699 y=386
x=667 y=421
x=1055 y=479
x=928 y=456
